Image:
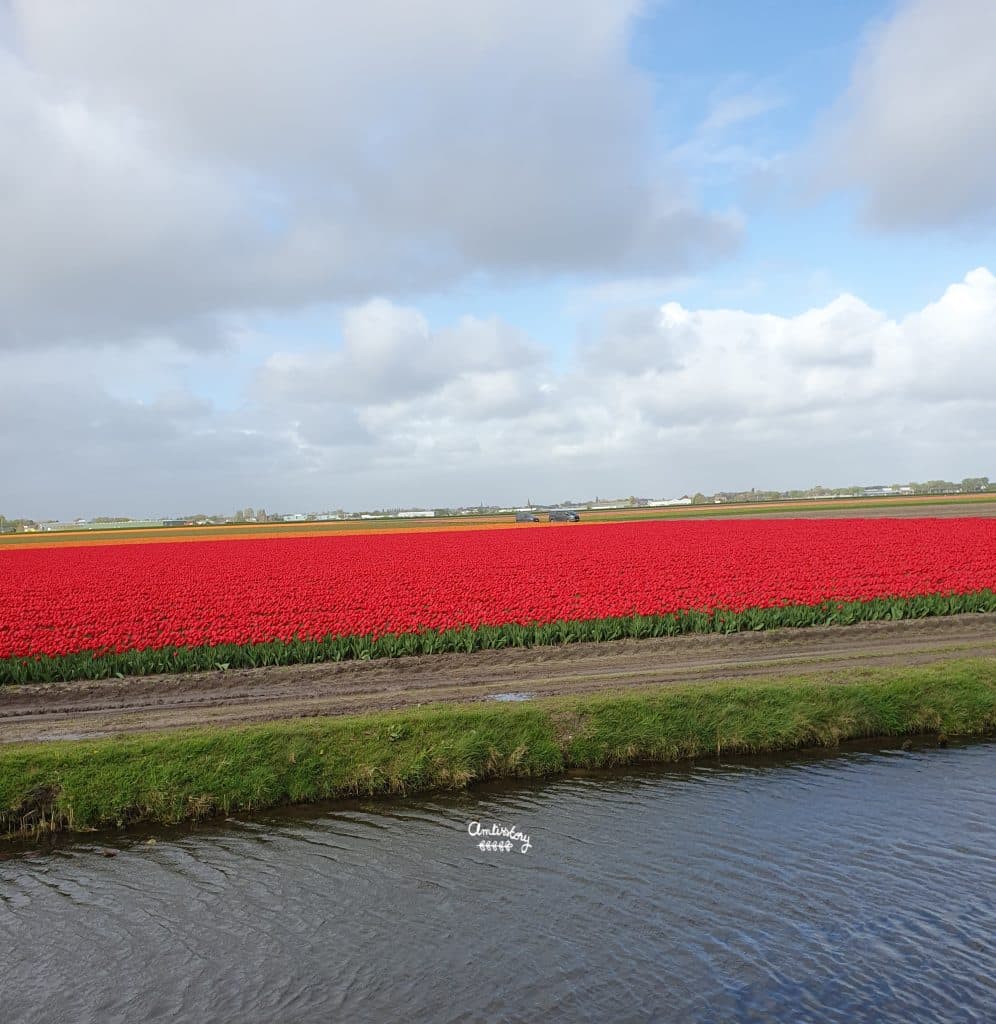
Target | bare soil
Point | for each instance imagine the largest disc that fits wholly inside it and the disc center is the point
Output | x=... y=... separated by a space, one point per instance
x=979 y=510
x=126 y=706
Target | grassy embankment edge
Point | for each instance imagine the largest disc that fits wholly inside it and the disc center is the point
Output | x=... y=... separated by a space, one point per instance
x=173 y=777
x=157 y=661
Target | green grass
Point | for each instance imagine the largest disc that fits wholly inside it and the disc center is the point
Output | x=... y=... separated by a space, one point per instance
x=86 y=665
x=172 y=777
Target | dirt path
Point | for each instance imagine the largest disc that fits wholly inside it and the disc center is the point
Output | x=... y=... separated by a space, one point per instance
x=940 y=511
x=114 y=706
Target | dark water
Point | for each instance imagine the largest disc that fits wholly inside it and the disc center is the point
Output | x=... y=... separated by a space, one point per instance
x=859 y=887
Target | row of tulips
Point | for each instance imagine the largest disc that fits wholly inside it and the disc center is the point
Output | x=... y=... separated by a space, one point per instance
x=97 y=610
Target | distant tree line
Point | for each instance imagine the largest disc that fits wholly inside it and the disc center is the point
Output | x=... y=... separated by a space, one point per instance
x=15 y=525
x=970 y=485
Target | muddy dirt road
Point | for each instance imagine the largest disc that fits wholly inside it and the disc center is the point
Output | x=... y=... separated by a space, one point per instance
x=115 y=706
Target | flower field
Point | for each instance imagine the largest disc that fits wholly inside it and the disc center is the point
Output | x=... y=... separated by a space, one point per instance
x=96 y=610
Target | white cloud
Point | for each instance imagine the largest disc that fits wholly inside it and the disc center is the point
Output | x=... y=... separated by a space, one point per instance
x=670 y=399
x=389 y=352
x=732 y=366
x=732 y=143
x=916 y=131
x=666 y=394
x=166 y=163
x=727 y=111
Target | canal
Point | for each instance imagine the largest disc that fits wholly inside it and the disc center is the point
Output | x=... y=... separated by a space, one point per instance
x=856 y=886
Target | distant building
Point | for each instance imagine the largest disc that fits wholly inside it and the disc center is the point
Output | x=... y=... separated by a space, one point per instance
x=668 y=502
x=83 y=524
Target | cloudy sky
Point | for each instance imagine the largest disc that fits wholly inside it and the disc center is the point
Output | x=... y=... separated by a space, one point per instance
x=310 y=255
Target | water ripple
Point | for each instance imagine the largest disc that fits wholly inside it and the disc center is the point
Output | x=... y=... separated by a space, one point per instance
x=859 y=887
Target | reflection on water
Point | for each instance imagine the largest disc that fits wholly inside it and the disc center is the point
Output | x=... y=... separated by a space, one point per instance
x=859 y=887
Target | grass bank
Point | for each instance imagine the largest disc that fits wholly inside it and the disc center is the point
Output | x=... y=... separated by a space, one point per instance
x=90 y=665
x=172 y=777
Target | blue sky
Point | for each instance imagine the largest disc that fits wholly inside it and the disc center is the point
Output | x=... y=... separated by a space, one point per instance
x=398 y=257
x=794 y=61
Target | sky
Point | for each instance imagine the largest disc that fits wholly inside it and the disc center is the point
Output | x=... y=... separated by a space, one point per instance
x=312 y=256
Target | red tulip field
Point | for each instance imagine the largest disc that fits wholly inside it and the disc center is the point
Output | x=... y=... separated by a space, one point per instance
x=89 y=611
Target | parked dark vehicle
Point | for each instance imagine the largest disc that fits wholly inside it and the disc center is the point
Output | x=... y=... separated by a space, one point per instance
x=564 y=516
x=526 y=517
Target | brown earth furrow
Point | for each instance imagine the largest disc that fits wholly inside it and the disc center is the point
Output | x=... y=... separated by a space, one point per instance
x=118 y=706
